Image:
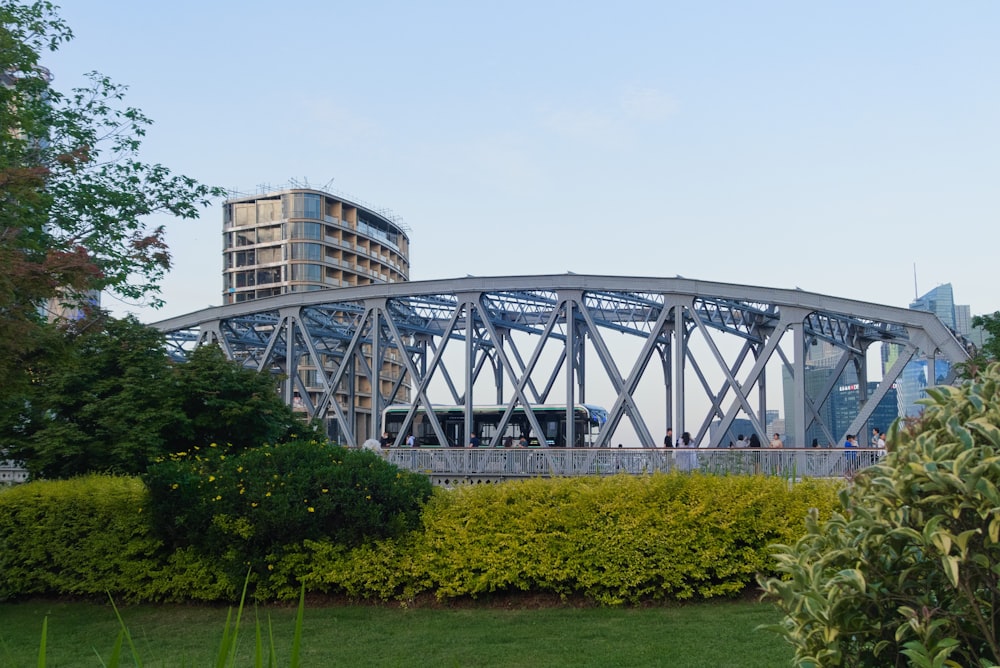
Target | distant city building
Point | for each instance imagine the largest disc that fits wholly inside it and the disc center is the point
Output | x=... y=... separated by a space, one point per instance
x=70 y=307
x=941 y=302
x=918 y=374
x=844 y=402
x=844 y=408
x=739 y=426
x=303 y=239
x=300 y=239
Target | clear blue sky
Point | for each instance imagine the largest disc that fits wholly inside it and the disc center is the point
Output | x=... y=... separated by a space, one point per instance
x=829 y=146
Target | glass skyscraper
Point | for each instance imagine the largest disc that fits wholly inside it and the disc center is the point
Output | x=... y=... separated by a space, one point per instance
x=918 y=374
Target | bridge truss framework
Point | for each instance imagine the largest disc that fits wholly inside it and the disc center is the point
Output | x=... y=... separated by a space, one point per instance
x=526 y=340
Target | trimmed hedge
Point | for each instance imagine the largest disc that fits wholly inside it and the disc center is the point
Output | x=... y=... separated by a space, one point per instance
x=614 y=540
x=91 y=536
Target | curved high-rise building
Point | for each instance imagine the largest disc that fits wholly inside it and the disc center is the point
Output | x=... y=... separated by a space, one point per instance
x=302 y=239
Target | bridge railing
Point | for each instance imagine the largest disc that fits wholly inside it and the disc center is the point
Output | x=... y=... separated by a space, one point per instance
x=501 y=463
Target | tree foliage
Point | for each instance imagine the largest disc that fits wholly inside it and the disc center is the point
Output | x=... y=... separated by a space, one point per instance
x=106 y=402
x=907 y=573
x=74 y=195
x=990 y=350
x=250 y=506
x=107 y=398
x=228 y=404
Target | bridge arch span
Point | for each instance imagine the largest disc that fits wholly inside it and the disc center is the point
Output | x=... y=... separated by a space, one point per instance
x=693 y=355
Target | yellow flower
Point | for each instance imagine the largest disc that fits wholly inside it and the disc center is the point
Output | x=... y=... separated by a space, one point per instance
x=268 y=494
x=242 y=490
x=325 y=490
x=270 y=567
x=211 y=478
x=213 y=445
x=218 y=498
x=253 y=505
x=311 y=509
x=174 y=486
x=239 y=469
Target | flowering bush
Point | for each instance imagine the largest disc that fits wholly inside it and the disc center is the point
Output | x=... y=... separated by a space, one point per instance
x=243 y=505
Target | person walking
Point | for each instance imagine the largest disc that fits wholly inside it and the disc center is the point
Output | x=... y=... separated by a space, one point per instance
x=851 y=456
x=689 y=460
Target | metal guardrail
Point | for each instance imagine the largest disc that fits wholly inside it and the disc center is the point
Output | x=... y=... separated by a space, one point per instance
x=513 y=463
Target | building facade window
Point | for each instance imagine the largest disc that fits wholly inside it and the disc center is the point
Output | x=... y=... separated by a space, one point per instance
x=303 y=205
x=266 y=276
x=268 y=234
x=307 y=272
x=301 y=230
x=307 y=252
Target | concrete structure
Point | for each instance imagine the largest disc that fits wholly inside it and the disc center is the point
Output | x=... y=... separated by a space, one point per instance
x=12 y=472
x=298 y=240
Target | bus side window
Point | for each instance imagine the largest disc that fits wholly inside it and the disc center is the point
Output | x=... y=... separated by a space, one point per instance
x=487 y=431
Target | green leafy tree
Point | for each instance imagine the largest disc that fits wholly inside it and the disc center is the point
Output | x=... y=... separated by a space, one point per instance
x=990 y=350
x=906 y=574
x=74 y=195
x=106 y=401
x=107 y=398
x=228 y=404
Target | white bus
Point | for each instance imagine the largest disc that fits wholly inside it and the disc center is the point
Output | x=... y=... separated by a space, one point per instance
x=587 y=423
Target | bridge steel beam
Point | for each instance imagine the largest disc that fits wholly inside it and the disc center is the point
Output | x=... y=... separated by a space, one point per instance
x=715 y=343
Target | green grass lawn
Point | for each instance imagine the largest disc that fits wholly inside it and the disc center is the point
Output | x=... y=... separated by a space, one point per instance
x=703 y=634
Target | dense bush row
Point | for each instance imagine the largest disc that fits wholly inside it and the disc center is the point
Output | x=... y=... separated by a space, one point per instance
x=242 y=507
x=90 y=536
x=614 y=540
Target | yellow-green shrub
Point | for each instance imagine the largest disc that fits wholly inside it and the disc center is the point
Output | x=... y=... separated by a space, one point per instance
x=90 y=536
x=614 y=540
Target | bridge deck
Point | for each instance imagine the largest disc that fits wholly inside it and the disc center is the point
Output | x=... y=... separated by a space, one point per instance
x=463 y=465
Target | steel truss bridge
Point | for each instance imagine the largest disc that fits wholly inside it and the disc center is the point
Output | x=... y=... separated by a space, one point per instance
x=653 y=351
